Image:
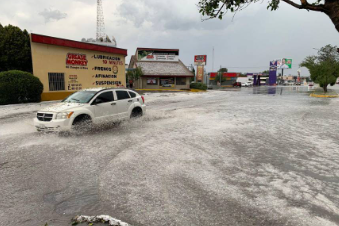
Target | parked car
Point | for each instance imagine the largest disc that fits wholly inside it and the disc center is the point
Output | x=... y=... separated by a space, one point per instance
x=91 y=106
x=310 y=84
x=237 y=84
x=166 y=85
x=246 y=84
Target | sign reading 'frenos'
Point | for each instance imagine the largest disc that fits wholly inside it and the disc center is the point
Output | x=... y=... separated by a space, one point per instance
x=76 y=59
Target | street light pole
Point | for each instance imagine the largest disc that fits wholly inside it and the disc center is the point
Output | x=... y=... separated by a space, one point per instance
x=220 y=74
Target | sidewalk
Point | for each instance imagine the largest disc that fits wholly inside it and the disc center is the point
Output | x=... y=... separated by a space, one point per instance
x=320 y=93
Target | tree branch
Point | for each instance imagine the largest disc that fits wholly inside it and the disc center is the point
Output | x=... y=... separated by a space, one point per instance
x=306 y=5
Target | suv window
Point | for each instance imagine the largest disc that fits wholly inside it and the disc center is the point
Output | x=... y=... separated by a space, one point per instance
x=122 y=95
x=132 y=94
x=105 y=97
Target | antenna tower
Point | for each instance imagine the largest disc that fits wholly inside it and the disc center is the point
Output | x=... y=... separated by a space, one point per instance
x=100 y=21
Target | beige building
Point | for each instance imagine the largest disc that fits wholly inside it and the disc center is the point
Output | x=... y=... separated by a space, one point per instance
x=162 y=69
x=65 y=66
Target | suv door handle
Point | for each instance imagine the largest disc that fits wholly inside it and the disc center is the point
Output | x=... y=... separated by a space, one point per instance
x=113 y=103
x=130 y=100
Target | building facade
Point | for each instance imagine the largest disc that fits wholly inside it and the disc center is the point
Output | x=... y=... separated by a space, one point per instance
x=65 y=66
x=229 y=78
x=162 y=69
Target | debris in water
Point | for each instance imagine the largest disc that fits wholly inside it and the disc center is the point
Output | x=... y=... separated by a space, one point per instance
x=99 y=219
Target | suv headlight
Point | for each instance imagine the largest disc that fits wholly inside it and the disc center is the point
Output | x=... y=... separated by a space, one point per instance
x=64 y=115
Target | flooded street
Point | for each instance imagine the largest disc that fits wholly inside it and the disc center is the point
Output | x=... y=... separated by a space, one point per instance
x=254 y=156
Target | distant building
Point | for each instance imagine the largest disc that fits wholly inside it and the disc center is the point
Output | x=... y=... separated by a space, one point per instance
x=229 y=78
x=162 y=69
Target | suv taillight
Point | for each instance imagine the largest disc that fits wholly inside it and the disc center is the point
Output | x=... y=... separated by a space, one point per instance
x=143 y=99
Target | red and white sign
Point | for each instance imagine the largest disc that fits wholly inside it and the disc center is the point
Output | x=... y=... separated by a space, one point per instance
x=200 y=60
x=76 y=59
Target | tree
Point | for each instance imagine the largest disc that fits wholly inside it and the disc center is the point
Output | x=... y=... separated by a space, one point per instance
x=135 y=74
x=19 y=87
x=218 y=8
x=219 y=77
x=15 y=49
x=193 y=71
x=324 y=68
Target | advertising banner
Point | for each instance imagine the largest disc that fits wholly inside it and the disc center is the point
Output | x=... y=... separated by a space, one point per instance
x=200 y=73
x=151 y=81
x=156 y=56
x=284 y=63
x=200 y=60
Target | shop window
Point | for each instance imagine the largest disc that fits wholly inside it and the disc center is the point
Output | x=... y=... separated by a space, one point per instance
x=152 y=81
x=181 y=81
x=122 y=95
x=167 y=82
x=56 y=81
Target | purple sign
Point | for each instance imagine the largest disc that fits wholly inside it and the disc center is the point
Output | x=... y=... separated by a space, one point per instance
x=273 y=65
x=273 y=73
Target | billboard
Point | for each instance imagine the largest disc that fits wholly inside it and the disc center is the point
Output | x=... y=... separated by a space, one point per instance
x=284 y=63
x=200 y=59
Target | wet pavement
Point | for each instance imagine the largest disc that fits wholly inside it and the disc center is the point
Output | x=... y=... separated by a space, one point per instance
x=258 y=156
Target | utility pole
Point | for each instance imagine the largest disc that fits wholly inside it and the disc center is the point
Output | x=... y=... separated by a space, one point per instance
x=220 y=74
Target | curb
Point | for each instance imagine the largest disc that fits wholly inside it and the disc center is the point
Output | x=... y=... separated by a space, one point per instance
x=197 y=90
x=172 y=90
x=323 y=95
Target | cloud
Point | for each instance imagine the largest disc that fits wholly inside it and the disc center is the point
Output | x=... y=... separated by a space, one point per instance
x=50 y=14
x=165 y=16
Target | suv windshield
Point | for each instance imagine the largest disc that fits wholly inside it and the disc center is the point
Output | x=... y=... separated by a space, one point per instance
x=80 y=97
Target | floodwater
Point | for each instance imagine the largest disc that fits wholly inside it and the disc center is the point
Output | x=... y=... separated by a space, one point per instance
x=255 y=156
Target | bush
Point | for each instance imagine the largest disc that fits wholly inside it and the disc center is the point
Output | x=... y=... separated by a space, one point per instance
x=19 y=87
x=201 y=86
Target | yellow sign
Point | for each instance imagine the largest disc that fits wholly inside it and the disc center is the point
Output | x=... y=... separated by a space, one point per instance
x=200 y=73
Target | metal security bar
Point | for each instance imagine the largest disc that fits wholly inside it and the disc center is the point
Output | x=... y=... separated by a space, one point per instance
x=56 y=81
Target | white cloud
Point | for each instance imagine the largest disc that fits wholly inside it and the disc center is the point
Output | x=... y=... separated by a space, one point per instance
x=50 y=14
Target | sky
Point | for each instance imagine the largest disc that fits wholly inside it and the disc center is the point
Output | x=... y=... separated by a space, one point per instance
x=243 y=43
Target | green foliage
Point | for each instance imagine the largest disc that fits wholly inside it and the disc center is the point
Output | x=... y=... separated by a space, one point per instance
x=324 y=68
x=223 y=69
x=218 y=8
x=193 y=71
x=135 y=74
x=19 y=87
x=198 y=85
x=15 y=49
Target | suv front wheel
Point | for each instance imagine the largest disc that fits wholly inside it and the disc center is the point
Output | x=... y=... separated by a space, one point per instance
x=82 y=123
